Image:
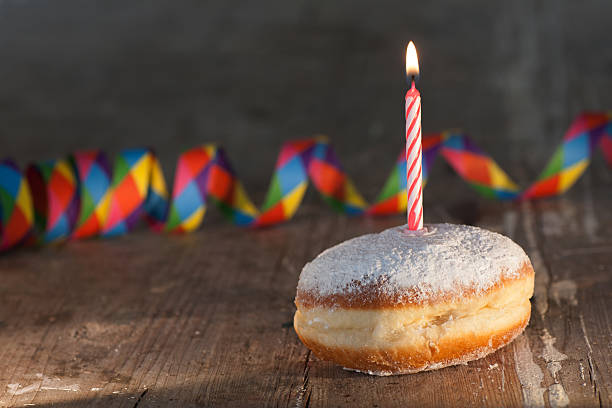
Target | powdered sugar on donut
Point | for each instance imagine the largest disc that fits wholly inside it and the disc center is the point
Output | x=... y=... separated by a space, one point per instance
x=447 y=259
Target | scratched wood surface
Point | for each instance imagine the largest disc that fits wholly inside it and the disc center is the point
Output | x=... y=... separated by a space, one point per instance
x=205 y=319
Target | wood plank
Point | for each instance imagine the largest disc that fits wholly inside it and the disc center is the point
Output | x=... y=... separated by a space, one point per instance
x=578 y=260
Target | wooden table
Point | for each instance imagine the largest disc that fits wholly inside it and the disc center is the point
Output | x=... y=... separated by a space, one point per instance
x=206 y=319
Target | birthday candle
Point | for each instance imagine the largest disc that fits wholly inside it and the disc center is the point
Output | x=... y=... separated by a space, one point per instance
x=413 y=144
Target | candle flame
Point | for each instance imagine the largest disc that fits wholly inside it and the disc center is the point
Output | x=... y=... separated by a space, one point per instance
x=412 y=61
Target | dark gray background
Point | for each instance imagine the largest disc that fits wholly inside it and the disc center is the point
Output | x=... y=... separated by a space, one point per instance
x=174 y=74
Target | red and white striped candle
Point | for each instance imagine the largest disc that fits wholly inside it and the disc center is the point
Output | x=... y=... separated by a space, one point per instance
x=413 y=144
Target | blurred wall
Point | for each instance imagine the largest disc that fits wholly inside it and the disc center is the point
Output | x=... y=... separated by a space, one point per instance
x=174 y=74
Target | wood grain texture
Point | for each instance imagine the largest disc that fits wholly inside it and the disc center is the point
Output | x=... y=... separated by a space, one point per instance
x=205 y=320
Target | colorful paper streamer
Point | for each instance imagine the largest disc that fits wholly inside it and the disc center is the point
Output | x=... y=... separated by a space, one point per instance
x=81 y=197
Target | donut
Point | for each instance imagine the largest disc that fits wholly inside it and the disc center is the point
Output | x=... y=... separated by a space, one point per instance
x=400 y=302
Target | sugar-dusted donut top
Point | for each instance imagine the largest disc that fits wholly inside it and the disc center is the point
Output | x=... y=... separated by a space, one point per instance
x=449 y=260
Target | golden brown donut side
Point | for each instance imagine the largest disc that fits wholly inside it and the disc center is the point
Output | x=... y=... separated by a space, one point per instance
x=458 y=344
x=410 y=360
